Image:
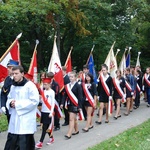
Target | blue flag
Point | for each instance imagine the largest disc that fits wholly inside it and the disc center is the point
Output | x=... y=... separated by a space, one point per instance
x=92 y=68
x=128 y=60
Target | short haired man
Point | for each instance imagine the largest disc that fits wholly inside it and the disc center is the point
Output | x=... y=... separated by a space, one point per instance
x=22 y=102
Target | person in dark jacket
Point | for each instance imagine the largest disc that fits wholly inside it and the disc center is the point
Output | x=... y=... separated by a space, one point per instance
x=6 y=87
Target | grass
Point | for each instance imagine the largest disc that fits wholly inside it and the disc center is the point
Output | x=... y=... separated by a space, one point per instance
x=3 y=122
x=137 y=138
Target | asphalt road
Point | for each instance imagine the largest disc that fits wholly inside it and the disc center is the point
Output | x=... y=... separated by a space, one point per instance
x=96 y=135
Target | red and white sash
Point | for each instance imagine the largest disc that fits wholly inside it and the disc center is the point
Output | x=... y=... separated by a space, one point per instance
x=138 y=87
x=110 y=107
x=80 y=115
x=44 y=99
x=71 y=95
x=128 y=86
x=51 y=127
x=88 y=94
x=146 y=80
x=104 y=85
x=59 y=112
x=38 y=113
x=119 y=90
x=83 y=77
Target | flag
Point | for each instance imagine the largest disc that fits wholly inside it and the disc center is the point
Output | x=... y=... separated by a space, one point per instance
x=68 y=62
x=111 y=62
x=13 y=53
x=122 y=64
x=92 y=68
x=138 y=59
x=128 y=59
x=55 y=66
x=33 y=65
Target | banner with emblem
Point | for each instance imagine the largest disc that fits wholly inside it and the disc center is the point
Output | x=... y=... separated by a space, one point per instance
x=111 y=62
x=55 y=66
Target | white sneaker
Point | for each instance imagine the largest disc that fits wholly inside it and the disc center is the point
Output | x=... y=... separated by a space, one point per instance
x=51 y=140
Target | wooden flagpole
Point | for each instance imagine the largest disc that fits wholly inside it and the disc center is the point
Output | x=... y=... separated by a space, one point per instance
x=69 y=55
x=90 y=54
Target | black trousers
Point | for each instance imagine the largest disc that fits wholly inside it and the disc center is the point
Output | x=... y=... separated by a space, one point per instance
x=44 y=128
x=66 y=115
x=56 y=120
x=137 y=99
x=20 y=142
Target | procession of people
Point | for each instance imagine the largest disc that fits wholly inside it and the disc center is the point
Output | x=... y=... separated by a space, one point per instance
x=80 y=98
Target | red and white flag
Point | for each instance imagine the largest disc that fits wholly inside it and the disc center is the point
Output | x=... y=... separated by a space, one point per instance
x=55 y=66
x=33 y=65
x=111 y=62
x=13 y=53
x=68 y=62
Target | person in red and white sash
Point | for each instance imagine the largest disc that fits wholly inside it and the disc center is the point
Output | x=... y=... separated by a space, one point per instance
x=90 y=97
x=138 y=77
x=73 y=95
x=66 y=81
x=46 y=112
x=147 y=85
x=119 y=91
x=130 y=88
x=104 y=92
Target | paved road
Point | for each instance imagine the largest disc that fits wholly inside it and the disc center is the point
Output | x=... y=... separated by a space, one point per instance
x=96 y=135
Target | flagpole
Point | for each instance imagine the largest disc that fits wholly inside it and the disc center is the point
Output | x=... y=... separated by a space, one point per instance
x=69 y=55
x=118 y=50
x=90 y=54
x=7 y=51
x=36 y=44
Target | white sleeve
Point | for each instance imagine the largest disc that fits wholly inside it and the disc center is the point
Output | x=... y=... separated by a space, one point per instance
x=52 y=101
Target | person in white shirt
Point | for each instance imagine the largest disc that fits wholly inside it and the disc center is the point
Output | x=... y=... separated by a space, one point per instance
x=47 y=112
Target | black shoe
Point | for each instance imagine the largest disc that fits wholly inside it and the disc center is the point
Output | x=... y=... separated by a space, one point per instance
x=98 y=122
x=85 y=130
x=67 y=137
x=115 y=118
x=107 y=121
x=91 y=127
x=75 y=133
x=119 y=116
x=56 y=128
x=65 y=124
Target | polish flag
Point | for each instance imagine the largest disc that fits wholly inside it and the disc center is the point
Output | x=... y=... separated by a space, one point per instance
x=68 y=62
x=33 y=65
x=13 y=53
x=55 y=66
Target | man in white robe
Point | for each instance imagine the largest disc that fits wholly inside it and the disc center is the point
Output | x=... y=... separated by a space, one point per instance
x=22 y=104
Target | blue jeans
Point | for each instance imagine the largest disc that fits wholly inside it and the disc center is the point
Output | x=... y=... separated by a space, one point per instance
x=148 y=94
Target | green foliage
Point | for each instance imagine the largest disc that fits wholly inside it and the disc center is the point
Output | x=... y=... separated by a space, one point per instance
x=136 y=138
x=76 y=23
x=3 y=122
